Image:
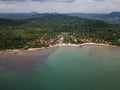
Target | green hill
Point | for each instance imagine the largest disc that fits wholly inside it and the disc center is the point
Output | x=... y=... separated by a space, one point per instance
x=19 y=33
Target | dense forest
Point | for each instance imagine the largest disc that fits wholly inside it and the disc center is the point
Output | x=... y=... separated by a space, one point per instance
x=44 y=29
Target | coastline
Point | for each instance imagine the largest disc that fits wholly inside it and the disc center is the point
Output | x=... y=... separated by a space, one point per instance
x=17 y=51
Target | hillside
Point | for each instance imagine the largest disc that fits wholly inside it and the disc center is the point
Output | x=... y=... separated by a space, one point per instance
x=44 y=30
x=113 y=17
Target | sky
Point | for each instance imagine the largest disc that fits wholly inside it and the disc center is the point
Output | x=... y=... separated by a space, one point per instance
x=61 y=6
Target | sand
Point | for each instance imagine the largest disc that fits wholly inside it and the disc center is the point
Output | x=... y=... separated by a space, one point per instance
x=18 y=51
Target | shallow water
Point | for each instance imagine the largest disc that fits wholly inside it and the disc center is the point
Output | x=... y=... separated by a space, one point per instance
x=62 y=68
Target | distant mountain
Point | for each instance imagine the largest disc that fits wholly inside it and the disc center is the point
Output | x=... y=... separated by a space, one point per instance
x=113 y=17
x=18 y=15
x=84 y=15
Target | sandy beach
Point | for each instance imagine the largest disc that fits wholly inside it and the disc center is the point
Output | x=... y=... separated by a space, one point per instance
x=18 y=51
x=83 y=44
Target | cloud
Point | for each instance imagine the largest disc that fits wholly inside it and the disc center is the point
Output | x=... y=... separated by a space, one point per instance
x=55 y=0
x=99 y=0
x=45 y=6
x=12 y=0
x=67 y=1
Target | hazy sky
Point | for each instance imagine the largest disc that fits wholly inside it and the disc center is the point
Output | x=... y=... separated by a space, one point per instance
x=44 y=6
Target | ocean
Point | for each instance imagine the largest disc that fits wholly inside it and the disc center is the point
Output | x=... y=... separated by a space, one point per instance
x=62 y=68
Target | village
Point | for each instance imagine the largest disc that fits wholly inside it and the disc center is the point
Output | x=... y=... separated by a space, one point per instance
x=63 y=38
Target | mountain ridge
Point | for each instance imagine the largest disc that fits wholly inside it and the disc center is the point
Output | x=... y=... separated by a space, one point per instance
x=113 y=17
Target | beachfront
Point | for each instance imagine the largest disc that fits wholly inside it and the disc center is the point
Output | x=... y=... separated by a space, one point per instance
x=17 y=51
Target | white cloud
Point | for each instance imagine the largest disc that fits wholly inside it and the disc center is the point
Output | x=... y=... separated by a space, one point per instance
x=59 y=5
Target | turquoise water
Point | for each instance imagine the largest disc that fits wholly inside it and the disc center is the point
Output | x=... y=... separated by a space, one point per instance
x=62 y=68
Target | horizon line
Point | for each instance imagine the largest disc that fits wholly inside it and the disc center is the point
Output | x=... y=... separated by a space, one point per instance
x=60 y=12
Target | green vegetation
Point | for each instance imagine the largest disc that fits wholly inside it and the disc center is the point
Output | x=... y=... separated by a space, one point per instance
x=43 y=30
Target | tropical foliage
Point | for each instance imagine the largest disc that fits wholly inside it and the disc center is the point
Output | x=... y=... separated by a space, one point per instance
x=44 y=29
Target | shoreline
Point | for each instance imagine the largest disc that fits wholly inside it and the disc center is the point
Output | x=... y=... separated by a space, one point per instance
x=57 y=45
